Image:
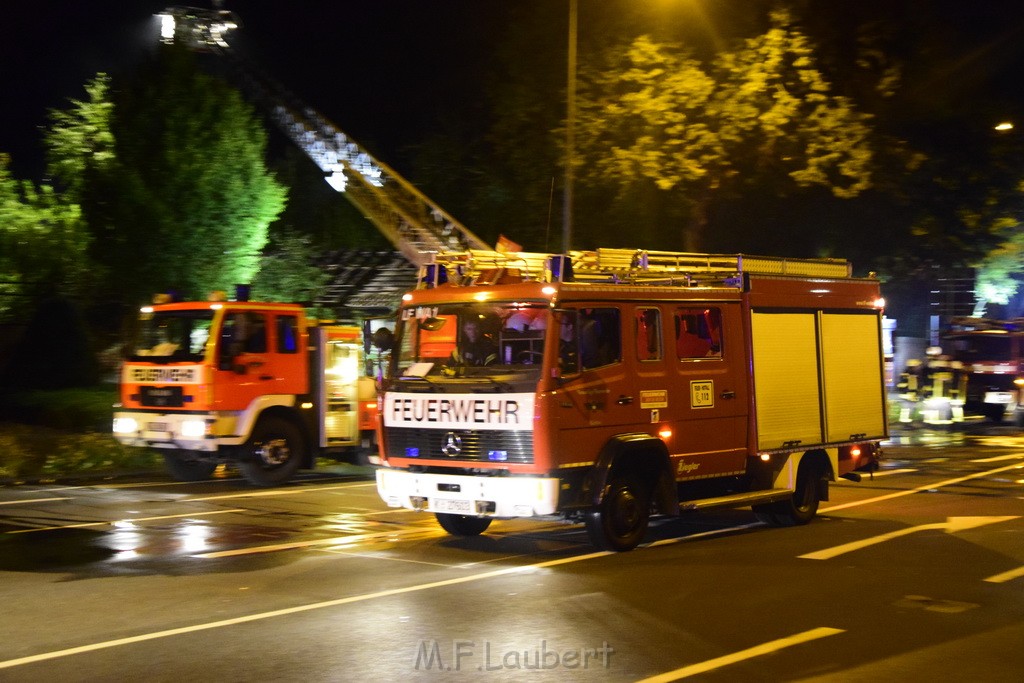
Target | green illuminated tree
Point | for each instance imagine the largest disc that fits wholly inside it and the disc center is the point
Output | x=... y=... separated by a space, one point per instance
x=79 y=143
x=176 y=191
x=191 y=153
x=761 y=115
x=43 y=244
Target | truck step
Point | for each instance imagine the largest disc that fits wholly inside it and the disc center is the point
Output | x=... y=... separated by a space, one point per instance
x=736 y=500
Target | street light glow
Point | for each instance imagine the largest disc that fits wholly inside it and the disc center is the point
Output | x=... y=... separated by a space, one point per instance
x=1005 y=125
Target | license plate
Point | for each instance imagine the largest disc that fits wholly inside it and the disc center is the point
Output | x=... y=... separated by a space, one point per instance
x=998 y=397
x=461 y=507
x=157 y=427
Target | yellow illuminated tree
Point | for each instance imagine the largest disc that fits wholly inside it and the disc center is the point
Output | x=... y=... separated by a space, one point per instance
x=761 y=114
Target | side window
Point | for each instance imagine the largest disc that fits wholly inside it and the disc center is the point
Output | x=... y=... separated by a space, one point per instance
x=287 y=334
x=256 y=333
x=698 y=333
x=600 y=332
x=647 y=323
x=568 y=343
x=241 y=332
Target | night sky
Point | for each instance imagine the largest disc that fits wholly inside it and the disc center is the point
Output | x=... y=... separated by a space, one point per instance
x=379 y=69
x=385 y=70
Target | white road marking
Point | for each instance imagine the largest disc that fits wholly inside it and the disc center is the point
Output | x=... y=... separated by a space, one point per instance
x=83 y=525
x=875 y=475
x=298 y=609
x=270 y=493
x=997 y=458
x=952 y=525
x=742 y=655
x=919 y=489
x=348 y=540
x=30 y=500
x=1006 y=576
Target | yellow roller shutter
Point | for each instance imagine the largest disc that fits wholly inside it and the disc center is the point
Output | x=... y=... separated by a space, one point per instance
x=786 y=379
x=851 y=352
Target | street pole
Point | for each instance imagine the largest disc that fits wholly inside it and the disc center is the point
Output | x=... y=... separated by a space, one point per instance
x=570 y=133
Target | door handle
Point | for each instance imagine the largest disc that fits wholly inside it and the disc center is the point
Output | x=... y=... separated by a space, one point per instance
x=624 y=400
x=728 y=393
x=266 y=377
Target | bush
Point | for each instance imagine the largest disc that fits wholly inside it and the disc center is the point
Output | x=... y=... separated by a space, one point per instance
x=49 y=434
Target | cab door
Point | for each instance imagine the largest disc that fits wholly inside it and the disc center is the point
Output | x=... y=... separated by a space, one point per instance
x=597 y=393
x=259 y=353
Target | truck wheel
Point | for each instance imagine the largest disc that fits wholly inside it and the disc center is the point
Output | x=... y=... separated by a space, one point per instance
x=272 y=454
x=620 y=521
x=462 y=525
x=802 y=507
x=185 y=468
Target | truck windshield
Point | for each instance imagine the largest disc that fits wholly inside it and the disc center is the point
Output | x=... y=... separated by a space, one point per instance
x=462 y=336
x=171 y=336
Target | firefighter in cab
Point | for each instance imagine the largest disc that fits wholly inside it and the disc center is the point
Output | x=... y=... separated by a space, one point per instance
x=475 y=348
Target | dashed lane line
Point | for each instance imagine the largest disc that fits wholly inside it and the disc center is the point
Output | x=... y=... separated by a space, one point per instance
x=1003 y=577
x=743 y=655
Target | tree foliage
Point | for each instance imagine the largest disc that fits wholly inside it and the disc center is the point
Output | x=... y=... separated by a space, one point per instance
x=43 y=243
x=79 y=143
x=287 y=271
x=181 y=199
x=760 y=114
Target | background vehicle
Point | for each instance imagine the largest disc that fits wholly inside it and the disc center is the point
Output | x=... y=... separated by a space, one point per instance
x=991 y=354
x=255 y=384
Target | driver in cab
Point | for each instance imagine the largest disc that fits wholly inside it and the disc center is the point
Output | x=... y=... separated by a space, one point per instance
x=475 y=348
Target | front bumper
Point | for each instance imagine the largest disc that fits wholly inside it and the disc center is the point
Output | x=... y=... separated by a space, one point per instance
x=525 y=496
x=184 y=431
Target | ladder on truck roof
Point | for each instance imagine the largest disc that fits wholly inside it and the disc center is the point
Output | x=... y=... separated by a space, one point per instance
x=621 y=266
x=415 y=225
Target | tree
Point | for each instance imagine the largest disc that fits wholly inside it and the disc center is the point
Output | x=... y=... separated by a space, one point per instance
x=287 y=271
x=78 y=141
x=761 y=115
x=43 y=243
x=184 y=200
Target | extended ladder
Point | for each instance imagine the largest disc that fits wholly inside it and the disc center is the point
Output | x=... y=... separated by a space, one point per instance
x=414 y=224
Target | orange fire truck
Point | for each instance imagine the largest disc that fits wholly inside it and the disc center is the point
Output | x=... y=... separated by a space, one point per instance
x=601 y=386
x=255 y=384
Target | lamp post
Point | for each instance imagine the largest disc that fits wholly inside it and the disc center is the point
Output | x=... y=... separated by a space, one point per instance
x=570 y=133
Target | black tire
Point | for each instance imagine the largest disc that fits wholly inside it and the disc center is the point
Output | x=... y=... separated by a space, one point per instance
x=802 y=507
x=273 y=453
x=183 y=467
x=462 y=525
x=620 y=521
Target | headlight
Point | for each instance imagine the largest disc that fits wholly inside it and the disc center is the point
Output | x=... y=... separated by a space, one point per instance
x=125 y=425
x=193 y=429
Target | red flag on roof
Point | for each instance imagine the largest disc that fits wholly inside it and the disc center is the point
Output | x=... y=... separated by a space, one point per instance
x=505 y=245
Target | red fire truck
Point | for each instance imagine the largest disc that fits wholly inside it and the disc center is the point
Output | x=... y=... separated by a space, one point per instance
x=989 y=366
x=255 y=384
x=601 y=386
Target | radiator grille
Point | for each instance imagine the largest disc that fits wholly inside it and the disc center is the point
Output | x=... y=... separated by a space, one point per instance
x=515 y=446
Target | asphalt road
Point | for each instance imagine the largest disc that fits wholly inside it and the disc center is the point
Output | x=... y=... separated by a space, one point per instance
x=917 y=573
